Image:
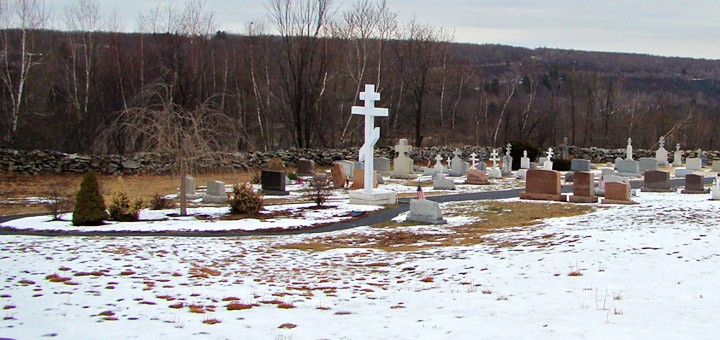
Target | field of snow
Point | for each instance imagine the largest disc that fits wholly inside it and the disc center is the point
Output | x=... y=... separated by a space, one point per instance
x=639 y=271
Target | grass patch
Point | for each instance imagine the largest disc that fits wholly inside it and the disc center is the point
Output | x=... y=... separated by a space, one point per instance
x=490 y=217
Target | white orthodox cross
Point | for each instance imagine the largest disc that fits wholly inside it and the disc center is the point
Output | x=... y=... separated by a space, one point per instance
x=662 y=142
x=677 y=147
x=473 y=159
x=372 y=133
x=449 y=162
x=525 y=154
x=509 y=147
x=550 y=153
x=403 y=148
x=494 y=158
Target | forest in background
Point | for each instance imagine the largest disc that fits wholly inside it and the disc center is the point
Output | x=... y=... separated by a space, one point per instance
x=290 y=82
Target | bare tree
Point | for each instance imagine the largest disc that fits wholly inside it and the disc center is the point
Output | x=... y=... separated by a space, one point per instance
x=302 y=25
x=26 y=16
x=155 y=123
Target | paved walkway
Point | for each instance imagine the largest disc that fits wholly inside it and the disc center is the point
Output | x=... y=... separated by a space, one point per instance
x=367 y=219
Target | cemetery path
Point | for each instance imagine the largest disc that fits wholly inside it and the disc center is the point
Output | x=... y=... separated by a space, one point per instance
x=368 y=219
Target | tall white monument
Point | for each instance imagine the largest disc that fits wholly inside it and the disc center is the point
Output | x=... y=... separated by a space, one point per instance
x=629 y=149
x=372 y=134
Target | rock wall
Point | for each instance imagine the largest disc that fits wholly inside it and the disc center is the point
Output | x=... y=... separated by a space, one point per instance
x=42 y=162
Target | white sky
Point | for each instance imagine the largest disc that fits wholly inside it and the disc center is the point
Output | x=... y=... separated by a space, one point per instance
x=687 y=28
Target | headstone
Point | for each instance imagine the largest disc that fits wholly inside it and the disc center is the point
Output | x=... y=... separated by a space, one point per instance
x=677 y=157
x=403 y=164
x=381 y=164
x=477 y=177
x=694 y=185
x=276 y=164
x=629 y=150
x=473 y=158
x=548 y=164
x=521 y=173
x=716 y=165
x=565 y=148
x=481 y=166
x=439 y=168
x=372 y=134
x=661 y=155
x=494 y=171
x=543 y=185
x=273 y=183
x=628 y=168
x=442 y=183
x=580 y=165
x=507 y=160
x=608 y=172
x=542 y=160
x=715 y=189
x=647 y=164
x=337 y=173
x=656 y=181
x=617 y=193
x=682 y=172
x=305 y=167
x=359 y=179
x=569 y=176
x=189 y=185
x=693 y=163
x=348 y=167
x=524 y=161
x=704 y=159
x=425 y=211
x=583 y=187
x=457 y=166
x=215 y=192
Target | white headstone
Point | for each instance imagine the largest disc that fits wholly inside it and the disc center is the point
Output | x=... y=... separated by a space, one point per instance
x=548 y=165
x=524 y=161
x=629 y=150
x=661 y=154
x=693 y=163
x=677 y=161
x=403 y=164
x=473 y=158
x=457 y=166
x=715 y=190
x=372 y=133
x=439 y=168
x=494 y=158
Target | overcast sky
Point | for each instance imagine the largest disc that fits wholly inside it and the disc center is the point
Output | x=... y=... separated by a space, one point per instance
x=687 y=28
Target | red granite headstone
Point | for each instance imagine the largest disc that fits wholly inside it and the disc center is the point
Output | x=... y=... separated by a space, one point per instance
x=338 y=175
x=476 y=177
x=617 y=193
x=583 y=187
x=542 y=184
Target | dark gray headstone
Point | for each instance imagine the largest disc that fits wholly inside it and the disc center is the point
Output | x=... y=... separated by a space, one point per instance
x=694 y=185
x=580 y=165
x=657 y=181
x=273 y=182
x=648 y=164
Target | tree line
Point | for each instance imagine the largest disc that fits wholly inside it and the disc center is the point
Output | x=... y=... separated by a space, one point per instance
x=180 y=82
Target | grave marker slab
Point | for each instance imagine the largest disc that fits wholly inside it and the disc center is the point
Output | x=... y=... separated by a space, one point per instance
x=359 y=179
x=524 y=161
x=628 y=168
x=648 y=164
x=442 y=183
x=337 y=173
x=694 y=185
x=715 y=189
x=656 y=181
x=348 y=167
x=381 y=164
x=215 y=193
x=478 y=177
x=716 y=165
x=189 y=185
x=580 y=165
x=583 y=187
x=457 y=166
x=542 y=185
x=661 y=155
x=403 y=164
x=693 y=164
x=682 y=172
x=617 y=193
x=273 y=183
x=677 y=156
x=425 y=211
x=305 y=167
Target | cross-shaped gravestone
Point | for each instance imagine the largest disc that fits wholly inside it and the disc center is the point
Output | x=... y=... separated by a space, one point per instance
x=449 y=160
x=473 y=158
x=372 y=133
x=550 y=153
x=494 y=158
x=525 y=153
x=509 y=147
x=457 y=153
x=403 y=148
x=438 y=163
x=662 y=142
x=677 y=147
x=629 y=149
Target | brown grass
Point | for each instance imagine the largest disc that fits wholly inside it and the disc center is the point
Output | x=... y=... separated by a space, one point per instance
x=211 y=321
x=575 y=273
x=240 y=306
x=57 y=278
x=141 y=186
x=491 y=217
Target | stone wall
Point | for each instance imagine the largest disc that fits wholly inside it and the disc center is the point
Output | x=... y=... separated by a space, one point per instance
x=42 y=162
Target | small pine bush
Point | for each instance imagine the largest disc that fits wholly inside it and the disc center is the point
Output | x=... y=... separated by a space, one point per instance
x=292 y=176
x=319 y=189
x=122 y=209
x=89 y=203
x=245 y=200
x=159 y=202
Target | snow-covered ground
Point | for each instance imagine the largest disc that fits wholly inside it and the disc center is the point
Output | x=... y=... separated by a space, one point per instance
x=628 y=272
